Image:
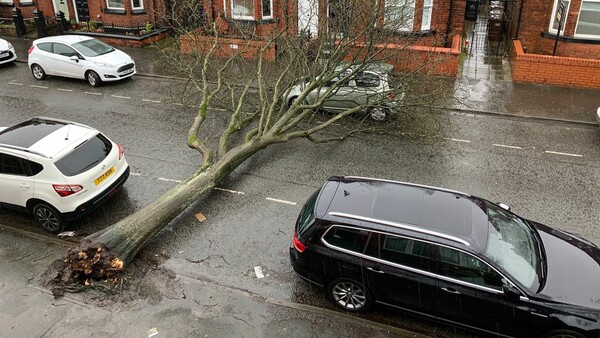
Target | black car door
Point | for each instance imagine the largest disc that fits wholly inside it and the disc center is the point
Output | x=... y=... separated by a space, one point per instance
x=470 y=293
x=399 y=272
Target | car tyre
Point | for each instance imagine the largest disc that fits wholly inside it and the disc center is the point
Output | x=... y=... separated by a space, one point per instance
x=38 y=72
x=563 y=334
x=49 y=218
x=349 y=295
x=93 y=78
x=379 y=114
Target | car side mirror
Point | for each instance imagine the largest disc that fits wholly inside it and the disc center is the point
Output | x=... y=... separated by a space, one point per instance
x=511 y=292
x=504 y=206
x=74 y=58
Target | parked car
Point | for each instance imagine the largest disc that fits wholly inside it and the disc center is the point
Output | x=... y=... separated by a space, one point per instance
x=7 y=52
x=80 y=57
x=446 y=255
x=368 y=85
x=58 y=170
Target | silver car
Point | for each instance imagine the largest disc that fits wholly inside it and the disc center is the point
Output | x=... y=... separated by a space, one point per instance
x=368 y=87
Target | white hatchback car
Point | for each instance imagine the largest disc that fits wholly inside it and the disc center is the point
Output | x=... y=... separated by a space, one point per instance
x=7 y=52
x=80 y=57
x=58 y=170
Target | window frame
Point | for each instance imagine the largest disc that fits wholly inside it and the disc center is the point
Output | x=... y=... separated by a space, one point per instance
x=241 y=17
x=551 y=28
x=139 y=8
x=262 y=9
x=426 y=25
x=108 y=6
x=406 y=26
x=587 y=36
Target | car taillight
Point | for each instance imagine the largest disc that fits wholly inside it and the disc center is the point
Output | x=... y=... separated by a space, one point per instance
x=391 y=95
x=297 y=244
x=64 y=190
x=30 y=49
x=120 y=151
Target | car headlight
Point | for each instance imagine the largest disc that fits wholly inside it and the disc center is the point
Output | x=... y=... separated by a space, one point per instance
x=10 y=46
x=104 y=65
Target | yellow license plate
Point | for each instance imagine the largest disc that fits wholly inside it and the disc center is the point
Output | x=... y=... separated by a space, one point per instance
x=104 y=176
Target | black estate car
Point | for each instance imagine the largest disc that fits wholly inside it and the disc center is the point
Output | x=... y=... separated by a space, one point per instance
x=448 y=256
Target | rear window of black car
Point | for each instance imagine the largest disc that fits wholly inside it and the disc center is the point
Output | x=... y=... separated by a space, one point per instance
x=307 y=216
x=85 y=156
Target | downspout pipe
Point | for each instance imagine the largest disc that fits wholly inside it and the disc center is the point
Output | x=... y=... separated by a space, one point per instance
x=449 y=24
x=519 y=20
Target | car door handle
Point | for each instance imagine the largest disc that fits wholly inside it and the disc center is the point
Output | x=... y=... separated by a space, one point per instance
x=375 y=270
x=451 y=290
x=24 y=185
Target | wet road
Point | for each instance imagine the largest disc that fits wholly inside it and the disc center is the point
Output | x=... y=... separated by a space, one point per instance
x=546 y=171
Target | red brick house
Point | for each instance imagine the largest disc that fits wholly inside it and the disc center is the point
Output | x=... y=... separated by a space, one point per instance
x=576 y=61
x=432 y=25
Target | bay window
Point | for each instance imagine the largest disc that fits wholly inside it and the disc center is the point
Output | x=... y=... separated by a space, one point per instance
x=242 y=9
x=399 y=14
x=588 y=24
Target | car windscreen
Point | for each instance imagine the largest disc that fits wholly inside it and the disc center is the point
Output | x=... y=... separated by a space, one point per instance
x=93 y=47
x=513 y=245
x=85 y=156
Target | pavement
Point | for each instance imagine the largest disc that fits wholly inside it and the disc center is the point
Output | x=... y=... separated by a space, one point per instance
x=203 y=309
x=483 y=87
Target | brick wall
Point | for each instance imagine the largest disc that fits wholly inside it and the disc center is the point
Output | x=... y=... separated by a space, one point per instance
x=228 y=47
x=554 y=70
x=438 y=61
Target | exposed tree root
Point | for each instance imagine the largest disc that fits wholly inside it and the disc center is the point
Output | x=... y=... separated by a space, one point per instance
x=84 y=265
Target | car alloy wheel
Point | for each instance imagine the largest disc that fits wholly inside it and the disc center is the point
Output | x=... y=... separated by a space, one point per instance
x=349 y=295
x=93 y=78
x=38 y=72
x=48 y=218
x=378 y=114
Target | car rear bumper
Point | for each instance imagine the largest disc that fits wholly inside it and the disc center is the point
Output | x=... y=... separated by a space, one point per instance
x=598 y=115
x=97 y=201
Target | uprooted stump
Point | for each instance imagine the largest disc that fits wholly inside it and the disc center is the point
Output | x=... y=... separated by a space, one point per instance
x=84 y=265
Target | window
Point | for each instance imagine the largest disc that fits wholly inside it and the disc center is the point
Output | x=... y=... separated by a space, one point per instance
x=137 y=4
x=467 y=268
x=267 y=9
x=9 y=2
x=115 y=4
x=242 y=9
x=347 y=238
x=553 y=22
x=64 y=50
x=407 y=252
x=365 y=79
x=589 y=19
x=399 y=14
x=85 y=156
x=426 y=22
x=45 y=46
x=12 y=165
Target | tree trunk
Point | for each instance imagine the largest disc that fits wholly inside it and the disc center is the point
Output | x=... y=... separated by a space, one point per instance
x=127 y=237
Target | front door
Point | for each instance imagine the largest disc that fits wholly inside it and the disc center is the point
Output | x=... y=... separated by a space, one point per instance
x=61 y=6
x=64 y=65
x=470 y=293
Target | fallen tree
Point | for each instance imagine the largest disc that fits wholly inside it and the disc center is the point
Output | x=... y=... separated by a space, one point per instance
x=258 y=113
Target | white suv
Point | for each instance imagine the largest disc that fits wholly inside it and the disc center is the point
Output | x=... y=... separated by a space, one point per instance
x=58 y=170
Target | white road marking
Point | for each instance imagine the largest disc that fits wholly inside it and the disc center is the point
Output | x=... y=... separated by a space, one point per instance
x=64 y=90
x=564 y=154
x=135 y=174
x=280 y=201
x=505 y=146
x=153 y=101
x=121 y=97
x=178 y=104
x=231 y=191
x=35 y=86
x=458 y=140
x=92 y=93
x=15 y=83
x=168 y=180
